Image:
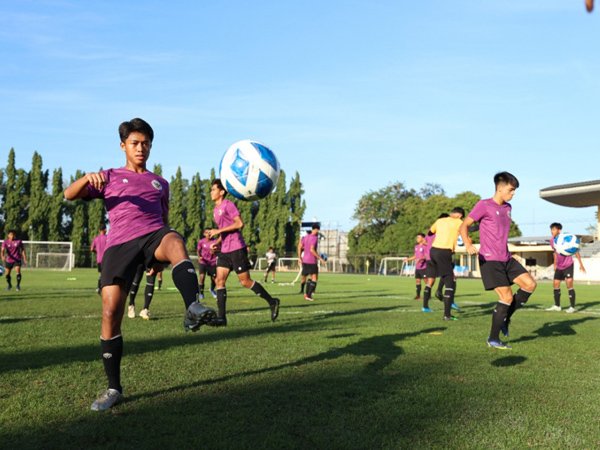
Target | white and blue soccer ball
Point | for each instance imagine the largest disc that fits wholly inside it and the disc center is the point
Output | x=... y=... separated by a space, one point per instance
x=249 y=170
x=1 y=270
x=566 y=244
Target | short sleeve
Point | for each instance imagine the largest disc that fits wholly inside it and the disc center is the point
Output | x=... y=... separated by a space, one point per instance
x=98 y=193
x=478 y=211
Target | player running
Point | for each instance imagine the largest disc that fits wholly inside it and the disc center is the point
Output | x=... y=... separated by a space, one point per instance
x=310 y=261
x=99 y=247
x=420 y=259
x=207 y=262
x=233 y=254
x=13 y=255
x=563 y=271
x=499 y=270
x=137 y=202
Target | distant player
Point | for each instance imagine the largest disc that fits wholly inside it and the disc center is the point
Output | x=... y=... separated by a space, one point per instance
x=499 y=270
x=271 y=263
x=442 y=252
x=148 y=292
x=563 y=271
x=98 y=247
x=207 y=262
x=310 y=258
x=13 y=255
x=233 y=254
x=137 y=202
x=300 y=250
x=420 y=259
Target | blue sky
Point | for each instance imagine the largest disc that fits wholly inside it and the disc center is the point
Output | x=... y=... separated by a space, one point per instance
x=351 y=94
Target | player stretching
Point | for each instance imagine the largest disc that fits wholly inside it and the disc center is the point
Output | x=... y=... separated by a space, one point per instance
x=13 y=255
x=148 y=292
x=99 y=247
x=563 y=271
x=233 y=254
x=137 y=203
x=442 y=251
x=419 y=257
x=499 y=270
x=271 y=261
x=207 y=262
x=310 y=261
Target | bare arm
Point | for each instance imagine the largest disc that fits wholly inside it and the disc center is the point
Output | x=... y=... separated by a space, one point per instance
x=23 y=256
x=580 y=262
x=237 y=224
x=464 y=234
x=315 y=254
x=79 y=188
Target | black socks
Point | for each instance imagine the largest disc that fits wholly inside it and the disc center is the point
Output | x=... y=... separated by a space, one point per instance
x=418 y=290
x=498 y=319
x=572 y=297
x=112 y=351
x=149 y=291
x=221 y=303
x=261 y=292
x=186 y=281
x=557 y=297
x=426 y=296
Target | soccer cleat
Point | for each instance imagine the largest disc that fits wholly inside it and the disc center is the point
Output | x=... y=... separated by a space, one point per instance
x=274 y=309
x=439 y=296
x=197 y=315
x=308 y=299
x=18 y=288
x=213 y=293
x=448 y=318
x=426 y=310
x=200 y=296
x=145 y=314
x=107 y=400
x=418 y=297
x=97 y=290
x=570 y=310
x=218 y=322
x=498 y=344
x=131 y=311
x=554 y=308
x=455 y=306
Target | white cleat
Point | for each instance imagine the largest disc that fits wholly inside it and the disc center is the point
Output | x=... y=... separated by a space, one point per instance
x=570 y=310
x=145 y=314
x=131 y=311
x=554 y=308
x=107 y=400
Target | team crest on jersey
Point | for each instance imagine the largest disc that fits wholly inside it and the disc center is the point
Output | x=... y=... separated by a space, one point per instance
x=156 y=185
x=125 y=180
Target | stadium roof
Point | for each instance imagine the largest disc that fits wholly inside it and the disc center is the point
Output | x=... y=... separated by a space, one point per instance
x=579 y=195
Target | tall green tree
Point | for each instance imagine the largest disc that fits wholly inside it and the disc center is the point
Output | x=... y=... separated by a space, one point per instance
x=194 y=213
x=37 y=222
x=11 y=206
x=157 y=170
x=57 y=210
x=177 y=203
x=2 y=198
x=296 y=206
x=79 y=229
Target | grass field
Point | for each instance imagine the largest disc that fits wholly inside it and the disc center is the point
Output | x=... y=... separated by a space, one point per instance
x=361 y=367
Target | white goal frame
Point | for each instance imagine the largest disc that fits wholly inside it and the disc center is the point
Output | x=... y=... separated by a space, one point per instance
x=406 y=268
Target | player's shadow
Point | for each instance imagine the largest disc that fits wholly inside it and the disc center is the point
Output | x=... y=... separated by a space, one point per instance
x=584 y=306
x=384 y=349
x=509 y=361
x=7 y=320
x=554 y=329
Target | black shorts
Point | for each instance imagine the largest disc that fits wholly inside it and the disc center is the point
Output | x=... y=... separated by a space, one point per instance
x=441 y=262
x=211 y=271
x=499 y=274
x=236 y=260
x=99 y=267
x=12 y=264
x=310 y=269
x=121 y=261
x=563 y=274
x=421 y=273
x=430 y=270
x=271 y=267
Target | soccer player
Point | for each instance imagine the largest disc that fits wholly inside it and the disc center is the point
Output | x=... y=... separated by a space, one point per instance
x=13 y=255
x=271 y=260
x=419 y=257
x=499 y=270
x=137 y=203
x=99 y=247
x=148 y=292
x=233 y=254
x=563 y=271
x=207 y=262
x=442 y=251
x=310 y=258
x=300 y=250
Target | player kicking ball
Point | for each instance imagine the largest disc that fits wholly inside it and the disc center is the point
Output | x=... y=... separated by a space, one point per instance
x=137 y=202
x=233 y=254
x=563 y=271
x=499 y=270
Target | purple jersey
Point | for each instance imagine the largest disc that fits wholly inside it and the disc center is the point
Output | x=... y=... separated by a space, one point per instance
x=99 y=246
x=420 y=251
x=311 y=240
x=13 y=250
x=494 y=225
x=562 y=262
x=207 y=257
x=428 y=241
x=224 y=215
x=136 y=203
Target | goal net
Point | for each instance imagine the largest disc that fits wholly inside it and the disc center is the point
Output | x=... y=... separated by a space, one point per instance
x=49 y=255
x=396 y=266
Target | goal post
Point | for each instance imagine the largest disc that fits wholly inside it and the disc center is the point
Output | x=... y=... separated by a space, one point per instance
x=49 y=254
x=393 y=265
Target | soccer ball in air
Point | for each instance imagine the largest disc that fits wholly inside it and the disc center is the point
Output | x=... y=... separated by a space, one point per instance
x=1 y=270
x=249 y=170
x=566 y=244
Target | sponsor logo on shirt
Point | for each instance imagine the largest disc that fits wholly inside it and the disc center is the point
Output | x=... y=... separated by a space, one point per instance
x=125 y=180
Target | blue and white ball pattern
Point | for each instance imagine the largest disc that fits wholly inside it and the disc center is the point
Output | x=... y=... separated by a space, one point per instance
x=249 y=170
x=566 y=244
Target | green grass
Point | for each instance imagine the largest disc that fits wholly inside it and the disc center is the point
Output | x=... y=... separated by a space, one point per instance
x=361 y=367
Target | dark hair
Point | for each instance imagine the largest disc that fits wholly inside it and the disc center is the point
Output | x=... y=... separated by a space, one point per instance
x=135 y=125
x=102 y=228
x=12 y=230
x=443 y=215
x=316 y=226
x=458 y=210
x=218 y=183
x=506 y=178
x=421 y=234
x=556 y=225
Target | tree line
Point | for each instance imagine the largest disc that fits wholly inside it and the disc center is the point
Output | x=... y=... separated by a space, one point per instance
x=390 y=218
x=33 y=204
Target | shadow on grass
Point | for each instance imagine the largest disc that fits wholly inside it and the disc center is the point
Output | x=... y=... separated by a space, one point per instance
x=554 y=329
x=509 y=361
